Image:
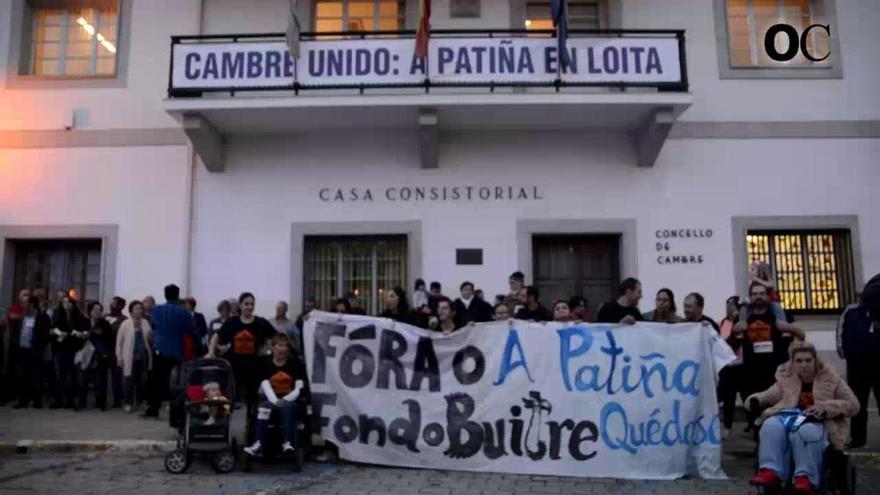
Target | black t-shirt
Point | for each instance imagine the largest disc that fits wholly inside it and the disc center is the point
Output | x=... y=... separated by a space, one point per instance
x=282 y=378
x=613 y=312
x=806 y=399
x=246 y=338
x=539 y=314
x=763 y=344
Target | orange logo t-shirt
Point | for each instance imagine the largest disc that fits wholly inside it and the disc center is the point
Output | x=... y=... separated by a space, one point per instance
x=244 y=342
x=282 y=383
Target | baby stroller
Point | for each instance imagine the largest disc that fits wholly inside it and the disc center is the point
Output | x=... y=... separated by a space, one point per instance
x=200 y=410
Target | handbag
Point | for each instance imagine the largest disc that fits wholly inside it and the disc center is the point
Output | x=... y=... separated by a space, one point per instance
x=83 y=357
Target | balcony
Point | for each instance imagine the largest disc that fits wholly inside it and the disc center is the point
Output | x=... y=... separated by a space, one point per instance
x=626 y=80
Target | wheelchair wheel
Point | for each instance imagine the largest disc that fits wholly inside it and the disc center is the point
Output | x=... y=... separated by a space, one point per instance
x=223 y=461
x=177 y=461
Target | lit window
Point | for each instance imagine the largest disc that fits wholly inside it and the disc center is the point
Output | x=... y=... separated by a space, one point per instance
x=74 y=41
x=368 y=266
x=749 y=20
x=67 y=266
x=813 y=269
x=359 y=15
x=581 y=15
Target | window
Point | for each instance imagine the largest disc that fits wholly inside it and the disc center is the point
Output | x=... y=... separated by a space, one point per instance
x=70 y=266
x=749 y=20
x=581 y=15
x=368 y=266
x=359 y=15
x=813 y=268
x=73 y=41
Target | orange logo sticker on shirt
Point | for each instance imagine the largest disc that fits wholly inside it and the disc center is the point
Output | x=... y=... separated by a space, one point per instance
x=806 y=400
x=282 y=383
x=759 y=331
x=244 y=343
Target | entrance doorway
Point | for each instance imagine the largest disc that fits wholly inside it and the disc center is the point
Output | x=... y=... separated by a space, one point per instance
x=577 y=265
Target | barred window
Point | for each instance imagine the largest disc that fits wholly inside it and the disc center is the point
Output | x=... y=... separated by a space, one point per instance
x=749 y=20
x=368 y=266
x=74 y=40
x=581 y=15
x=69 y=266
x=813 y=268
x=359 y=15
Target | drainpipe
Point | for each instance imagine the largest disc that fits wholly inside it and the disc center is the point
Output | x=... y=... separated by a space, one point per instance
x=191 y=187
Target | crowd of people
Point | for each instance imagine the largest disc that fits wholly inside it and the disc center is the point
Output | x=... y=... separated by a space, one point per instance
x=60 y=353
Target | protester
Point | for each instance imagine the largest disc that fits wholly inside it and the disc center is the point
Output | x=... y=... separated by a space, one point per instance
x=435 y=295
x=470 y=308
x=193 y=348
x=247 y=334
x=149 y=304
x=664 y=308
x=31 y=343
x=693 y=310
x=625 y=308
x=66 y=319
x=283 y=325
x=815 y=392
x=446 y=320
x=224 y=310
x=341 y=306
x=731 y=378
x=562 y=312
x=354 y=304
x=500 y=312
x=859 y=345
x=95 y=361
x=397 y=309
x=134 y=355
x=281 y=382
x=115 y=319
x=516 y=282
x=765 y=341
x=533 y=310
x=309 y=304
x=12 y=358
x=170 y=322
x=419 y=296
x=578 y=307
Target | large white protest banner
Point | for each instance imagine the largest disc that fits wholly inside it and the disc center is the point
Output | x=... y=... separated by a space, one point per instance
x=518 y=397
x=595 y=60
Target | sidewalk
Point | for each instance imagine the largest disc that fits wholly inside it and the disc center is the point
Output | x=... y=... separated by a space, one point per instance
x=43 y=430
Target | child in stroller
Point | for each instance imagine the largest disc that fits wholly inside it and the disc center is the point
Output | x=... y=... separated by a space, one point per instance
x=203 y=409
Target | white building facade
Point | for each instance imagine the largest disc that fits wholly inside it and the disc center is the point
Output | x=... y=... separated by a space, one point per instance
x=117 y=178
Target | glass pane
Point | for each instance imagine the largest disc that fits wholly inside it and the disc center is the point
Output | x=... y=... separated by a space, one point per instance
x=79 y=49
x=47 y=33
x=737 y=7
x=77 y=67
x=328 y=25
x=47 y=67
x=390 y=8
x=47 y=50
x=539 y=24
x=386 y=24
x=361 y=9
x=50 y=16
x=328 y=9
x=106 y=66
x=765 y=7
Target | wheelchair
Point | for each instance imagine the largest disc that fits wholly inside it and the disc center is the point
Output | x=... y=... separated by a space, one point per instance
x=271 y=450
x=838 y=472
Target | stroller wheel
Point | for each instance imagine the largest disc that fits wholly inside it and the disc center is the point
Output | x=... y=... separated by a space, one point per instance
x=223 y=461
x=177 y=461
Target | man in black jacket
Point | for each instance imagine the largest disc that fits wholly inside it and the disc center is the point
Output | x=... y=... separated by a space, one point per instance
x=471 y=308
x=31 y=342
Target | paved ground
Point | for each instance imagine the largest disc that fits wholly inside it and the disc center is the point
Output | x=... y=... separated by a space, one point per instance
x=143 y=473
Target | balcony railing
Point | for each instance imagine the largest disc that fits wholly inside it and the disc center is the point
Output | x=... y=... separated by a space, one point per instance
x=457 y=58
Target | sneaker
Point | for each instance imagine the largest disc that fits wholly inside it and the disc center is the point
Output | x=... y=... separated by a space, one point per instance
x=209 y=421
x=287 y=448
x=255 y=450
x=802 y=484
x=126 y=408
x=766 y=477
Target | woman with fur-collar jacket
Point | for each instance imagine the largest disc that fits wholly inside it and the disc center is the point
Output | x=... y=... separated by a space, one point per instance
x=806 y=410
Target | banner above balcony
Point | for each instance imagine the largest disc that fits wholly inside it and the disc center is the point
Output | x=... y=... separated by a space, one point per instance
x=452 y=61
